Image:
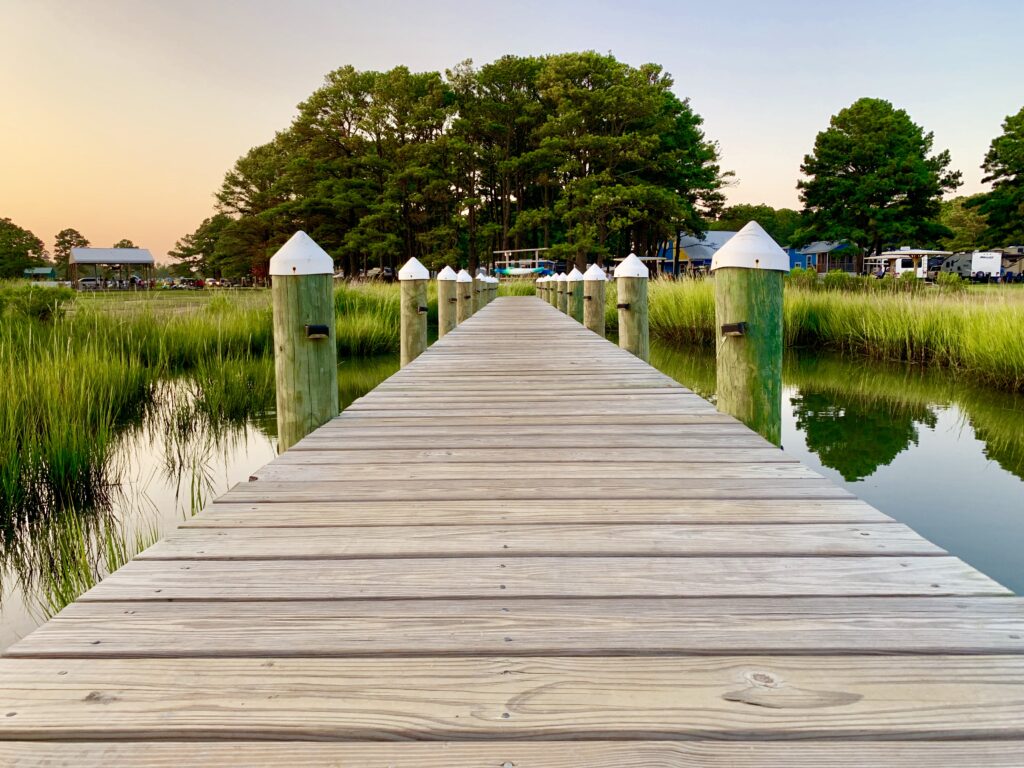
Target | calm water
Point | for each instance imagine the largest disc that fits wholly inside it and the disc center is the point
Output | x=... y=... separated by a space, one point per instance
x=942 y=456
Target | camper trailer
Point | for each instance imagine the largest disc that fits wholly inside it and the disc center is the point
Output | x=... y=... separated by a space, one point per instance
x=968 y=265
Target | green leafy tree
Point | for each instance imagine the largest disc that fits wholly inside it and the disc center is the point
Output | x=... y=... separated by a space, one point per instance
x=66 y=240
x=578 y=152
x=19 y=250
x=124 y=243
x=872 y=179
x=1003 y=207
x=782 y=224
x=960 y=215
x=627 y=148
x=197 y=252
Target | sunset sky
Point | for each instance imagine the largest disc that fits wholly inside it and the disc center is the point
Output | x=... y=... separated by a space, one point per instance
x=120 y=117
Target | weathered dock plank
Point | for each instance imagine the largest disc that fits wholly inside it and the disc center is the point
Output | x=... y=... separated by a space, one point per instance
x=761 y=697
x=578 y=540
x=517 y=626
x=519 y=754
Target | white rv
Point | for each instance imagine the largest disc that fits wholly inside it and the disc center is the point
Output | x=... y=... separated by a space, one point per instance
x=968 y=265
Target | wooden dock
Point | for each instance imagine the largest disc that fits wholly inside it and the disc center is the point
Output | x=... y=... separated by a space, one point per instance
x=528 y=548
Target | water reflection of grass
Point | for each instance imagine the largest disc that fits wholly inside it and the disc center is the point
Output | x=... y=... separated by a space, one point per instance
x=878 y=405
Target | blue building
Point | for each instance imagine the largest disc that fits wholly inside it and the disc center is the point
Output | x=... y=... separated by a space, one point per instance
x=826 y=255
x=698 y=252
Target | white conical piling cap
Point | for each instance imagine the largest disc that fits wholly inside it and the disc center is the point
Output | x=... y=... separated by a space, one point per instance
x=751 y=248
x=413 y=270
x=447 y=274
x=301 y=256
x=631 y=266
x=562 y=277
x=463 y=277
x=575 y=276
x=594 y=272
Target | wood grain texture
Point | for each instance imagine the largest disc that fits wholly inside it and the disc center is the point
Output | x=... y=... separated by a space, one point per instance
x=556 y=472
x=361 y=542
x=542 y=577
x=280 y=514
x=501 y=486
x=578 y=627
x=353 y=452
x=872 y=697
x=514 y=754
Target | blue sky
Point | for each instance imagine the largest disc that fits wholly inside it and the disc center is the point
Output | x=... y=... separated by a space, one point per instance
x=122 y=116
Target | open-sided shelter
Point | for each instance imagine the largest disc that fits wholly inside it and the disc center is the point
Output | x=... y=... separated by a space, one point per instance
x=118 y=258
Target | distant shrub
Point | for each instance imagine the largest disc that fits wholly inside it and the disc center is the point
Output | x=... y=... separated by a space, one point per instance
x=805 y=278
x=837 y=280
x=950 y=282
x=37 y=302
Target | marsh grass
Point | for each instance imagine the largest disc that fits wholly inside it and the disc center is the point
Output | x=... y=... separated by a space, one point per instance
x=75 y=384
x=517 y=288
x=976 y=334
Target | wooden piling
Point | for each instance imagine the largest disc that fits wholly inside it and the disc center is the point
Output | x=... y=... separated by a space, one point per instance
x=594 y=280
x=464 y=296
x=552 y=290
x=631 y=278
x=477 y=299
x=561 y=296
x=305 y=353
x=413 y=278
x=749 y=276
x=446 y=300
x=574 y=294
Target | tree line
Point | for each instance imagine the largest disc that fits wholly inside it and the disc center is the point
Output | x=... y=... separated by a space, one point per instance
x=576 y=152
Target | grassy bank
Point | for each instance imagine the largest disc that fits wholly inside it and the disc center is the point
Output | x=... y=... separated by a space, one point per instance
x=975 y=333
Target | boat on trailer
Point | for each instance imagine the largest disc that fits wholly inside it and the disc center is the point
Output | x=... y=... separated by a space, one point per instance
x=522 y=262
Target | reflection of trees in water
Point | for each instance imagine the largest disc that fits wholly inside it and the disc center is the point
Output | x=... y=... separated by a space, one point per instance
x=858 y=415
x=852 y=434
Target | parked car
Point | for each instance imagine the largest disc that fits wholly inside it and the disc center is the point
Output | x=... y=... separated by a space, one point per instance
x=381 y=273
x=89 y=284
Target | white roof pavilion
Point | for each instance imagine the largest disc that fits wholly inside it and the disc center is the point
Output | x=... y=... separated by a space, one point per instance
x=140 y=256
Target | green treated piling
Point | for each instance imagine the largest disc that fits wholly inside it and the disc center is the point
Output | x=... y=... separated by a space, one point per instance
x=749 y=275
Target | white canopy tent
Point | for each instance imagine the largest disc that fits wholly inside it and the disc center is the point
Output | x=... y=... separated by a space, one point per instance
x=111 y=257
